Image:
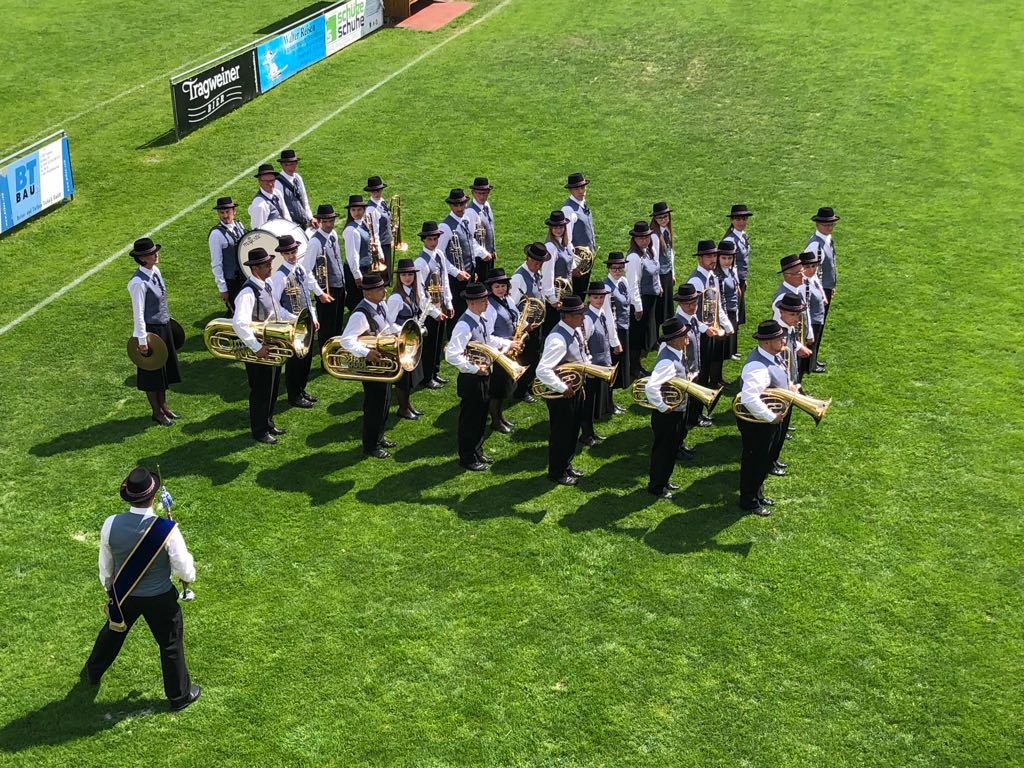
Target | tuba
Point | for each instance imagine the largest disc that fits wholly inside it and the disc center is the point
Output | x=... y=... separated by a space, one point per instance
x=283 y=339
x=482 y=354
x=779 y=401
x=395 y=204
x=582 y=259
x=675 y=390
x=400 y=352
x=573 y=374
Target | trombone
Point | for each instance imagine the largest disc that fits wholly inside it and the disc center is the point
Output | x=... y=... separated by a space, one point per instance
x=395 y=204
x=377 y=263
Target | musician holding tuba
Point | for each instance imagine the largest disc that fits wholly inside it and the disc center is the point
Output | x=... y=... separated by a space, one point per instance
x=291 y=285
x=152 y=346
x=432 y=277
x=256 y=304
x=370 y=317
x=381 y=220
x=473 y=329
x=406 y=302
x=667 y=423
x=763 y=369
x=564 y=344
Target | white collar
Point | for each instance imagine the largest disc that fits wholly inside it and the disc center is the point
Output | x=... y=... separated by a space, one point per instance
x=765 y=355
x=144 y=511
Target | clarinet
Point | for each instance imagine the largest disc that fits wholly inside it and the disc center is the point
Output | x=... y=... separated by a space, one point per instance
x=164 y=505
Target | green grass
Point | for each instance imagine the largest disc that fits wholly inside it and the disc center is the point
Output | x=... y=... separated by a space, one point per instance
x=405 y=613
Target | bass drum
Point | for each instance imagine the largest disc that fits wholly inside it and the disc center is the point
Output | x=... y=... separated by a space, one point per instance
x=266 y=237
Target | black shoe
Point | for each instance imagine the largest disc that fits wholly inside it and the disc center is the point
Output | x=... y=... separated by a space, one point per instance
x=473 y=466
x=671 y=486
x=378 y=453
x=760 y=511
x=301 y=402
x=734 y=357
x=194 y=693
x=819 y=368
x=500 y=426
x=433 y=384
x=618 y=410
x=417 y=412
x=528 y=398
x=664 y=493
x=565 y=479
x=162 y=420
x=85 y=677
x=266 y=438
x=483 y=458
x=311 y=398
x=766 y=502
x=704 y=421
x=590 y=442
x=170 y=414
x=410 y=415
x=385 y=442
x=440 y=380
x=778 y=472
x=685 y=454
x=781 y=465
x=507 y=423
x=788 y=436
x=573 y=472
x=598 y=438
x=275 y=430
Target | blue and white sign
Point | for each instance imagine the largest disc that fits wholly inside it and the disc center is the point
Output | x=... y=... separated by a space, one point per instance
x=34 y=182
x=291 y=52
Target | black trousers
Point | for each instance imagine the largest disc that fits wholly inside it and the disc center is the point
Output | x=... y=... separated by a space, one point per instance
x=376 y=401
x=829 y=293
x=433 y=346
x=669 y=431
x=163 y=615
x=483 y=269
x=296 y=374
x=332 y=316
x=235 y=285
x=386 y=250
x=473 y=390
x=758 y=439
x=264 y=381
x=593 y=404
x=580 y=283
x=742 y=316
x=565 y=416
x=353 y=293
x=529 y=357
x=637 y=337
x=666 y=307
x=780 y=437
x=650 y=321
x=816 y=327
x=459 y=303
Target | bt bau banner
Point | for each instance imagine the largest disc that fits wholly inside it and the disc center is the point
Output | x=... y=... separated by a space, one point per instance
x=35 y=182
x=291 y=52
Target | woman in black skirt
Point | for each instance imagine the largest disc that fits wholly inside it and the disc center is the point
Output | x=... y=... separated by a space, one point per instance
x=618 y=304
x=643 y=275
x=559 y=247
x=502 y=316
x=151 y=315
x=406 y=303
x=730 y=282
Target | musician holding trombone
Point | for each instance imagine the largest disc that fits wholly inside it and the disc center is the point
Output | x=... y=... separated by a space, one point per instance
x=667 y=423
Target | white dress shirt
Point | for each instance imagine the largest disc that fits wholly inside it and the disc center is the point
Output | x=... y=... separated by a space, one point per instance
x=423 y=269
x=554 y=352
x=260 y=209
x=358 y=325
x=182 y=564
x=279 y=281
x=241 y=321
x=137 y=290
x=353 y=242
x=633 y=270
x=609 y=319
x=664 y=371
x=462 y=334
x=395 y=302
x=547 y=287
x=314 y=250
x=517 y=286
x=796 y=290
x=479 y=252
x=711 y=280
x=218 y=242
x=756 y=380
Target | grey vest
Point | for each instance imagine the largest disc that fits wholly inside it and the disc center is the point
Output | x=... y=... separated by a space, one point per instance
x=650 y=274
x=275 y=207
x=229 y=251
x=477 y=331
x=263 y=307
x=619 y=298
x=300 y=279
x=598 y=344
x=154 y=310
x=331 y=254
x=802 y=293
x=775 y=370
x=703 y=287
x=742 y=251
x=666 y=256
x=827 y=268
x=529 y=281
x=562 y=261
x=815 y=302
x=294 y=199
x=729 y=284
x=692 y=351
x=573 y=350
x=384 y=228
x=488 y=223
x=583 y=228
x=678 y=364
x=125 y=532
x=465 y=241
x=410 y=304
x=505 y=322
x=373 y=317
x=365 y=260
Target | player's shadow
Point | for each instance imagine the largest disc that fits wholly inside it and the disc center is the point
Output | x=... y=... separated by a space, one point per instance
x=209 y=375
x=605 y=510
x=104 y=433
x=311 y=475
x=412 y=485
x=352 y=402
x=710 y=505
x=233 y=419
x=76 y=716
x=205 y=458
x=500 y=500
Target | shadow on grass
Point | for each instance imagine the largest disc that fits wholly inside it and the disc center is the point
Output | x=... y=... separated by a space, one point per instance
x=166 y=138
x=212 y=376
x=105 y=433
x=205 y=458
x=76 y=716
x=712 y=507
x=500 y=500
x=311 y=475
x=412 y=484
x=604 y=511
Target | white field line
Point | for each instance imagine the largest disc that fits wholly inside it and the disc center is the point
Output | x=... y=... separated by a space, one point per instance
x=294 y=140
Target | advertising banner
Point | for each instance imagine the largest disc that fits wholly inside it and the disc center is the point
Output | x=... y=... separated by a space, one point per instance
x=350 y=21
x=215 y=91
x=34 y=182
x=287 y=54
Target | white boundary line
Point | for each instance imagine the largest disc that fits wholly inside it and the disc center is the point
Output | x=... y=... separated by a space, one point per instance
x=295 y=140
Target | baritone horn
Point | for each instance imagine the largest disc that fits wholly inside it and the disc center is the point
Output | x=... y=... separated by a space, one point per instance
x=573 y=375
x=395 y=204
x=675 y=390
x=400 y=352
x=283 y=339
x=482 y=354
x=781 y=400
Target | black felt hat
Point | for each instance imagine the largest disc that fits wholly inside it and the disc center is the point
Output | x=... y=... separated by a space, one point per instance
x=641 y=229
x=660 y=208
x=286 y=243
x=556 y=219
x=373 y=184
x=481 y=183
x=475 y=291
x=144 y=247
x=673 y=328
x=686 y=292
x=576 y=180
x=258 y=256
x=537 y=252
x=140 y=485
x=373 y=280
x=288 y=156
x=825 y=216
x=727 y=248
x=788 y=262
x=264 y=168
x=456 y=196
x=325 y=211
x=791 y=303
x=224 y=203
x=430 y=229
x=498 y=276
x=809 y=257
x=597 y=289
x=739 y=211
x=571 y=305
x=706 y=248
x=615 y=259
x=356 y=201
x=405 y=266
x=768 y=330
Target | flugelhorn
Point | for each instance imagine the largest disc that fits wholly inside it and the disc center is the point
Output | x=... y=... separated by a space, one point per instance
x=482 y=354
x=573 y=375
x=283 y=339
x=395 y=204
x=400 y=352
x=675 y=390
x=781 y=400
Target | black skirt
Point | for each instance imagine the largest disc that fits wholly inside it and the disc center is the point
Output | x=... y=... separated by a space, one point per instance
x=411 y=379
x=732 y=343
x=500 y=387
x=622 y=375
x=160 y=379
x=650 y=322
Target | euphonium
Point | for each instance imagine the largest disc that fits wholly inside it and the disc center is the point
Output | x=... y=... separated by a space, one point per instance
x=674 y=391
x=582 y=259
x=573 y=375
x=283 y=339
x=779 y=401
x=482 y=354
x=400 y=352
x=395 y=204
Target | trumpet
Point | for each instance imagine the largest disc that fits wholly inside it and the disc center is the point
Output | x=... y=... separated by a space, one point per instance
x=573 y=374
x=395 y=204
x=482 y=354
x=781 y=400
x=377 y=263
x=283 y=339
x=582 y=259
x=457 y=254
x=320 y=273
x=674 y=391
x=400 y=352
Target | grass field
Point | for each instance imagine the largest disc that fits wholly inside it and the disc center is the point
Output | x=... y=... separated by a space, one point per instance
x=405 y=613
